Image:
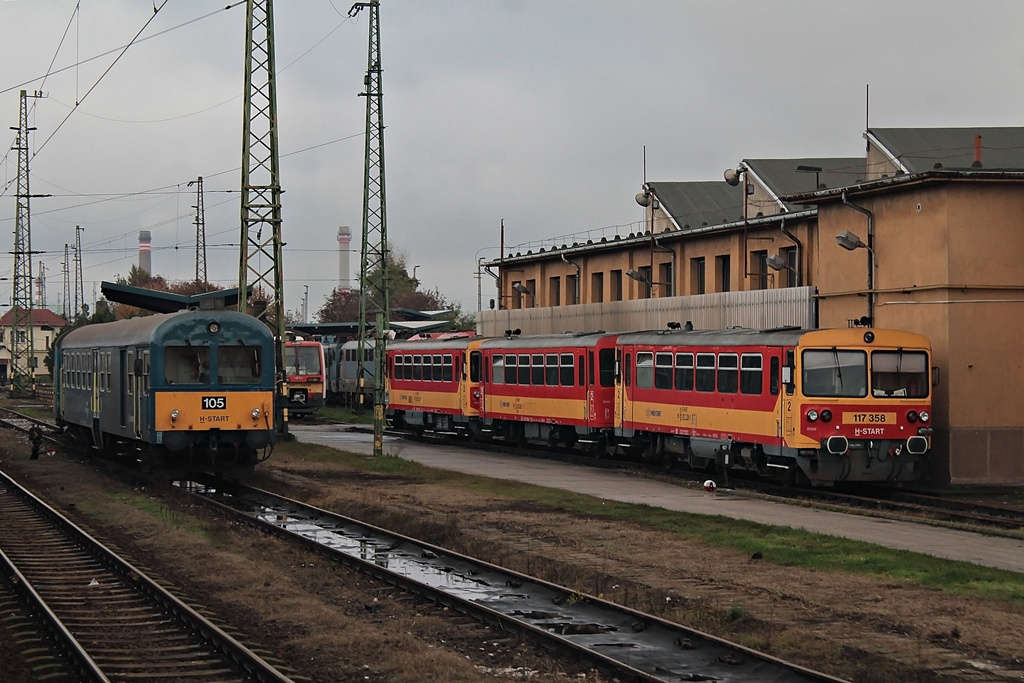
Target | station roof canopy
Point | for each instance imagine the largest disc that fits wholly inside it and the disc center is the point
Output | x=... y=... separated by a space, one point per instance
x=167 y=302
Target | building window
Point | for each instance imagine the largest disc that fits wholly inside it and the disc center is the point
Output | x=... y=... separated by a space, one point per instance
x=517 y=296
x=555 y=291
x=616 y=286
x=645 y=288
x=723 y=276
x=532 y=296
x=665 y=277
x=571 y=285
x=759 y=269
x=697 y=282
x=789 y=256
x=596 y=289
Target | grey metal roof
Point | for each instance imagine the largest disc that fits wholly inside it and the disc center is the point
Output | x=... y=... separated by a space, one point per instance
x=547 y=341
x=919 y=149
x=781 y=176
x=696 y=203
x=732 y=337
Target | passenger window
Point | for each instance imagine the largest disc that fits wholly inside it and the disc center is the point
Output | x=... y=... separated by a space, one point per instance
x=438 y=373
x=499 y=369
x=684 y=372
x=417 y=368
x=728 y=373
x=474 y=366
x=551 y=370
x=537 y=373
x=511 y=370
x=565 y=370
x=644 y=370
x=446 y=368
x=663 y=371
x=524 y=370
x=773 y=379
x=751 y=373
x=705 y=376
x=607 y=359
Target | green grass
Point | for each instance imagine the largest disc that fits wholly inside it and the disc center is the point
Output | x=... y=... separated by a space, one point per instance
x=779 y=545
x=343 y=415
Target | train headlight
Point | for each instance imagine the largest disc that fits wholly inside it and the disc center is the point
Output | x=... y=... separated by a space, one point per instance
x=911 y=416
x=174 y=414
x=826 y=416
x=924 y=415
x=812 y=415
x=213 y=327
x=255 y=413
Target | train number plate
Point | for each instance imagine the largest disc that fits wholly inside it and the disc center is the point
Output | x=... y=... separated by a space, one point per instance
x=869 y=418
x=214 y=403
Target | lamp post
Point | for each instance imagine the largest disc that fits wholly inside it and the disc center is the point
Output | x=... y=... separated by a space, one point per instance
x=733 y=176
x=849 y=241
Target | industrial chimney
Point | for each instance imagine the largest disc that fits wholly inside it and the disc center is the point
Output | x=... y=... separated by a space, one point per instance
x=146 y=251
x=344 y=239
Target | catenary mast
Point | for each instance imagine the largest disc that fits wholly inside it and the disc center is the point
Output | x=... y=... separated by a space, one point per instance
x=373 y=272
x=260 y=261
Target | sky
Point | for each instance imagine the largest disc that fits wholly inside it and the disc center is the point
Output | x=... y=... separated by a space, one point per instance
x=544 y=115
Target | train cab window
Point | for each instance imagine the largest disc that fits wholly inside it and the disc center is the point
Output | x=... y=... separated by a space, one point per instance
x=438 y=369
x=773 y=378
x=834 y=372
x=474 y=366
x=511 y=370
x=499 y=369
x=644 y=369
x=537 y=370
x=606 y=357
x=446 y=368
x=302 y=360
x=524 y=370
x=705 y=375
x=751 y=373
x=728 y=373
x=565 y=370
x=240 y=364
x=186 y=365
x=902 y=374
x=684 y=372
x=417 y=367
x=551 y=369
x=407 y=367
x=663 y=371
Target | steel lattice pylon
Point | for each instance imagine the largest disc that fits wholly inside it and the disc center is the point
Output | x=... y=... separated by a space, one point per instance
x=200 y=232
x=373 y=271
x=260 y=262
x=22 y=343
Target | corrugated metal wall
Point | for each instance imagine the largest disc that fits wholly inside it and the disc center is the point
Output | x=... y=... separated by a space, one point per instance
x=759 y=309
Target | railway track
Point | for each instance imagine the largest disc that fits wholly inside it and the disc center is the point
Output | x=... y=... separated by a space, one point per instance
x=627 y=644
x=104 y=619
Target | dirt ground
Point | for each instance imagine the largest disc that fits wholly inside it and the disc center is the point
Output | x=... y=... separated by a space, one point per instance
x=329 y=624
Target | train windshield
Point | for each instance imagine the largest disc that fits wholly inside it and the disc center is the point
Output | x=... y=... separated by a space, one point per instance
x=302 y=360
x=834 y=372
x=187 y=365
x=239 y=364
x=902 y=374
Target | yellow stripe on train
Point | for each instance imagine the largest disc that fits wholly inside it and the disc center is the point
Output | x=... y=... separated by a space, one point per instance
x=205 y=410
x=687 y=420
x=549 y=409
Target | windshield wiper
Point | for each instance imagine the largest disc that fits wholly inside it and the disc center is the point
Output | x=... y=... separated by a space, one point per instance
x=839 y=368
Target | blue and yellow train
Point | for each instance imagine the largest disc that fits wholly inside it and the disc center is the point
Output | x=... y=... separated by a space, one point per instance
x=186 y=390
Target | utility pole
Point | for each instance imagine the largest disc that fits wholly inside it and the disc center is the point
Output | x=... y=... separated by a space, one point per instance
x=79 y=282
x=200 y=232
x=66 y=269
x=373 y=273
x=260 y=261
x=41 y=287
x=23 y=359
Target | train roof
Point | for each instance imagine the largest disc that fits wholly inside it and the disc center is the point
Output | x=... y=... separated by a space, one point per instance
x=150 y=328
x=548 y=341
x=739 y=336
x=455 y=343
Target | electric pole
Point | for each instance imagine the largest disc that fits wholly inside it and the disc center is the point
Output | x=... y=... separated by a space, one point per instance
x=66 y=269
x=23 y=359
x=79 y=282
x=200 y=232
x=260 y=261
x=373 y=273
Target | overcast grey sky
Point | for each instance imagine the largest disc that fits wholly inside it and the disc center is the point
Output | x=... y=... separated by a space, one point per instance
x=532 y=111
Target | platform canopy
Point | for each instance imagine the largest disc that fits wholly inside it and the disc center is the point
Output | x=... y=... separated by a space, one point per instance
x=168 y=302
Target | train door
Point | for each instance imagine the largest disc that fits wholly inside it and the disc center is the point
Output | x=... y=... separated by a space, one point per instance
x=122 y=386
x=622 y=382
x=789 y=410
x=94 y=398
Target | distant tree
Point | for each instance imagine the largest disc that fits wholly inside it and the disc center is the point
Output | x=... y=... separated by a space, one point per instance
x=341 y=306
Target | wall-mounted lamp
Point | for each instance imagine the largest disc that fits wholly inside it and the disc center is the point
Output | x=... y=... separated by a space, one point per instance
x=776 y=262
x=521 y=288
x=849 y=241
x=639 y=277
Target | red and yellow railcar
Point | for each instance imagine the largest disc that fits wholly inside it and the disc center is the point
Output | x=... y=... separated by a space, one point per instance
x=429 y=386
x=819 y=406
x=556 y=388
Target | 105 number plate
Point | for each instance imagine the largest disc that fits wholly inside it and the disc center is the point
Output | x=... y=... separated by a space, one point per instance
x=214 y=403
